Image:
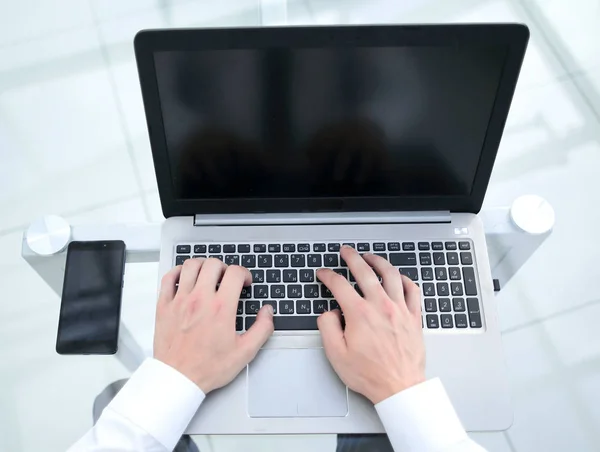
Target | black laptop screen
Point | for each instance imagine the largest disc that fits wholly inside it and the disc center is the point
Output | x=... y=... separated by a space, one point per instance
x=327 y=122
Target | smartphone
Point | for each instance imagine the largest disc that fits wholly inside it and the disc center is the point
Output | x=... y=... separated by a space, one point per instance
x=90 y=308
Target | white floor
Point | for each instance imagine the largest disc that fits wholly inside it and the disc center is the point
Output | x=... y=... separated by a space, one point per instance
x=73 y=142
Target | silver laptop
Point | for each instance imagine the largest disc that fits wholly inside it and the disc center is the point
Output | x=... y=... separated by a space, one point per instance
x=273 y=147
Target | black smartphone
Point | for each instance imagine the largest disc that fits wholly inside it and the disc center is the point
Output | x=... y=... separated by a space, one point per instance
x=90 y=308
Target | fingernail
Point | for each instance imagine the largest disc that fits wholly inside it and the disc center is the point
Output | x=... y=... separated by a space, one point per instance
x=269 y=309
x=346 y=246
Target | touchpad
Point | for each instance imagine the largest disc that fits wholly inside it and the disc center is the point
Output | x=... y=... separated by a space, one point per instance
x=295 y=383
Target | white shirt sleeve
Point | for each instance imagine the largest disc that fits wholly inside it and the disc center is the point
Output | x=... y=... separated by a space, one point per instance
x=421 y=418
x=149 y=413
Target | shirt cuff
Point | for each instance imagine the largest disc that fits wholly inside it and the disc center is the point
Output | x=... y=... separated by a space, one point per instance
x=160 y=400
x=421 y=418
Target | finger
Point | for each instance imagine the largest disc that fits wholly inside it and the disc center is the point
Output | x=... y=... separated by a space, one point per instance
x=392 y=281
x=168 y=285
x=334 y=343
x=341 y=289
x=189 y=275
x=234 y=279
x=209 y=277
x=253 y=339
x=412 y=295
x=363 y=273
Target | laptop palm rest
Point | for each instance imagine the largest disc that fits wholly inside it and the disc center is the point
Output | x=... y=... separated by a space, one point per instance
x=295 y=383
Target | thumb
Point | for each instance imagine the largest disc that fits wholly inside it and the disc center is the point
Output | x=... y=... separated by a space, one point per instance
x=334 y=343
x=259 y=332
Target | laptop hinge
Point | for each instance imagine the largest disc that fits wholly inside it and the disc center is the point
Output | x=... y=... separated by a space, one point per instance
x=264 y=219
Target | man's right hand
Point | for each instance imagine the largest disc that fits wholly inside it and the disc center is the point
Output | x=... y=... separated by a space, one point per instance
x=381 y=351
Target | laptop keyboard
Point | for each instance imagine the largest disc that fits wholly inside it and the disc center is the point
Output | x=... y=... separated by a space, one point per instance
x=283 y=275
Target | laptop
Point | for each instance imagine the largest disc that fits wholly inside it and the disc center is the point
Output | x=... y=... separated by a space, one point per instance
x=273 y=147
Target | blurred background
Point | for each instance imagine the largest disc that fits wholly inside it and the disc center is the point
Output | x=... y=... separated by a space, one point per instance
x=73 y=142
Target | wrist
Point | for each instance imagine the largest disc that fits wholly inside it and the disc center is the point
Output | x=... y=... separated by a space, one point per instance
x=391 y=388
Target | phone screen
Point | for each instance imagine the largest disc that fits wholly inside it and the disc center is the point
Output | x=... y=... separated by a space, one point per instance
x=91 y=299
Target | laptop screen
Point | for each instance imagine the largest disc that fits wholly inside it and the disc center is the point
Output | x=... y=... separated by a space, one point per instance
x=327 y=122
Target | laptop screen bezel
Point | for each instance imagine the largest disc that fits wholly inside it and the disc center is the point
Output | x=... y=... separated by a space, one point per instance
x=148 y=42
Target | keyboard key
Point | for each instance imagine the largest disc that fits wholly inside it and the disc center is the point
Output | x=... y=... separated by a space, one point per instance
x=378 y=246
x=474 y=312
x=273 y=305
x=289 y=248
x=458 y=304
x=442 y=289
x=248 y=260
x=445 y=305
x=277 y=291
x=320 y=306
x=286 y=307
x=427 y=274
x=199 y=256
x=363 y=247
x=350 y=244
x=229 y=248
x=469 y=279
x=179 y=260
x=460 y=320
x=384 y=255
x=430 y=305
x=258 y=276
x=466 y=258
x=456 y=289
x=261 y=291
x=304 y=248
x=244 y=248
x=246 y=292
x=249 y=322
x=437 y=246
x=273 y=275
x=274 y=248
x=393 y=246
x=320 y=247
x=199 y=249
x=331 y=260
x=403 y=259
x=410 y=272
x=290 y=275
x=432 y=321
x=440 y=274
x=333 y=304
x=333 y=247
x=307 y=275
x=281 y=260
x=314 y=260
x=325 y=292
x=294 y=291
x=240 y=308
x=298 y=260
x=425 y=258
x=450 y=246
x=232 y=259
x=252 y=306
x=454 y=273
x=296 y=323
x=265 y=260
x=358 y=290
x=184 y=249
x=260 y=248
x=216 y=256
x=311 y=291
x=439 y=259
x=214 y=248
x=428 y=289
x=446 y=320
x=423 y=246
x=302 y=307
x=239 y=324
x=408 y=246
x=452 y=258
x=464 y=245
x=341 y=271
x=351 y=277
